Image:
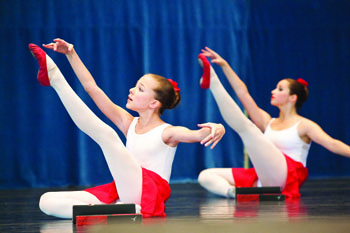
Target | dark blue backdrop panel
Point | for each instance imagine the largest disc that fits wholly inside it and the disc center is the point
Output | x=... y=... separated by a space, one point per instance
x=119 y=41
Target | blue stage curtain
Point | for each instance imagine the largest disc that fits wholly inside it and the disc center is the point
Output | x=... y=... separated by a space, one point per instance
x=121 y=40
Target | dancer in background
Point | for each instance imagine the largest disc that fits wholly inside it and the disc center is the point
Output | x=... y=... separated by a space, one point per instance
x=278 y=147
x=141 y=170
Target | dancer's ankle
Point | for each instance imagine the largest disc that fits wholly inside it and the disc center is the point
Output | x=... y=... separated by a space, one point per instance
x=231 y=192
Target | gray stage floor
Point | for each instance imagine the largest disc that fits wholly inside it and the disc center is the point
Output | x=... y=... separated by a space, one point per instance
x=323 y=207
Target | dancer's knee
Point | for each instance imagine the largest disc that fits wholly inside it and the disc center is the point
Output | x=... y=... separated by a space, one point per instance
x=205 y=177
x=106 y=135
x=45 y=203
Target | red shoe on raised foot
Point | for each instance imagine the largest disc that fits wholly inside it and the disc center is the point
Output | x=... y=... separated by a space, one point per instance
x=40 y=56
x=203 y=61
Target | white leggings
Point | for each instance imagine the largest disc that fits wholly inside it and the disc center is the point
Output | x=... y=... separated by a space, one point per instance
x=268 y=161
x=126 y=171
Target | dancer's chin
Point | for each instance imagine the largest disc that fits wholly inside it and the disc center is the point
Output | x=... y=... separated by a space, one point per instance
x=129 y=106
x=274 y=104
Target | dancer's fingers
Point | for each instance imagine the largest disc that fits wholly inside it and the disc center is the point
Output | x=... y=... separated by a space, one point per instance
x=214 y=144
x=210 y=139
x=209 y=142
x=204 y=51
x=48 y=46
x=60 y=46
x=217 y=130
x=212 y=52
x=215 y=141
x=70 y=47
x=215 y=135
x=207 y=54
x=65 y=44
x=206 y=140
x=207 y=125
x=59 y=40
x=55 y=47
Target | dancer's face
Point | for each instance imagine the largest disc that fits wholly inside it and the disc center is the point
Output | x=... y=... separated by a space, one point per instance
x=141 y=97
x=280 y=95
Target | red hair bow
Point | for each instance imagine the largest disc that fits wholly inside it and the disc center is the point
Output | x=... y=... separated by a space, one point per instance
x=302 y=81
x=176 y=88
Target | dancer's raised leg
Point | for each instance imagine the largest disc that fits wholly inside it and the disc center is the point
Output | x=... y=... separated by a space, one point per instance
x=268 y=161
x=125 y=170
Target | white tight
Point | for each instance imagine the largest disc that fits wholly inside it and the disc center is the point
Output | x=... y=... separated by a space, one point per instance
x=126 y=171
x=268 y=161
x=59 y=204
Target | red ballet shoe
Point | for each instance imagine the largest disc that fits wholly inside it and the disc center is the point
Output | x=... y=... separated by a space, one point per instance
x=205 y=80
x=40 y=56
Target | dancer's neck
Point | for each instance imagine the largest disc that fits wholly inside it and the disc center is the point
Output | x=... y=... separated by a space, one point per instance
x=147 y=122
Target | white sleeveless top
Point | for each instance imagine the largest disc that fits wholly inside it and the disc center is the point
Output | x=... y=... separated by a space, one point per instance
x=150 y=150
x=289 y=142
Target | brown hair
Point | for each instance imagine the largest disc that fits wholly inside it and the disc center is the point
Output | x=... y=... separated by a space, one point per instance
x=165 y=93
x=299 y=89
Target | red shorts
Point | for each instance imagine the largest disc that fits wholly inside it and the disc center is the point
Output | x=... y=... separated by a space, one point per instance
x=155 y=192
x=297 y=174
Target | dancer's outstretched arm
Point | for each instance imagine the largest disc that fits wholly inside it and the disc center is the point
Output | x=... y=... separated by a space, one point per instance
x=257 y=115
x=120 y=117
x=209 y=134
x=316 y=134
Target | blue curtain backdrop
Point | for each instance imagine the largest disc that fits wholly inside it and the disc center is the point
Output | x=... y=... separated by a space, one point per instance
x=121 y=40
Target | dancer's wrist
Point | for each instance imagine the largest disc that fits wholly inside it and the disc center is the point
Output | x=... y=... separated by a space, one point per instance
x=223 y=64
x=71 y=52
x=70 y=49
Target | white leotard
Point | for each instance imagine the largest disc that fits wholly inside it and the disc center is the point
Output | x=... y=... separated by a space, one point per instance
x=289 y=142
x=150 y=150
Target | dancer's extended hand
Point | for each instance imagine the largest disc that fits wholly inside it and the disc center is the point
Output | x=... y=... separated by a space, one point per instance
x=60 y=46
x=217 y=132
x=215 y=58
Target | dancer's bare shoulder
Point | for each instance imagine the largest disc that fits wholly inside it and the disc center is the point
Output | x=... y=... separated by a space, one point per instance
x=310 y=131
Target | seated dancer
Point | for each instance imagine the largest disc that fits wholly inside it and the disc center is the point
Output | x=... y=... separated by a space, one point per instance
x=278 y=147
x=141 y=169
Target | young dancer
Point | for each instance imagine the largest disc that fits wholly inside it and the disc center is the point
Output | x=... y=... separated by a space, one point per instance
x=141 y=169
x=278 y=147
